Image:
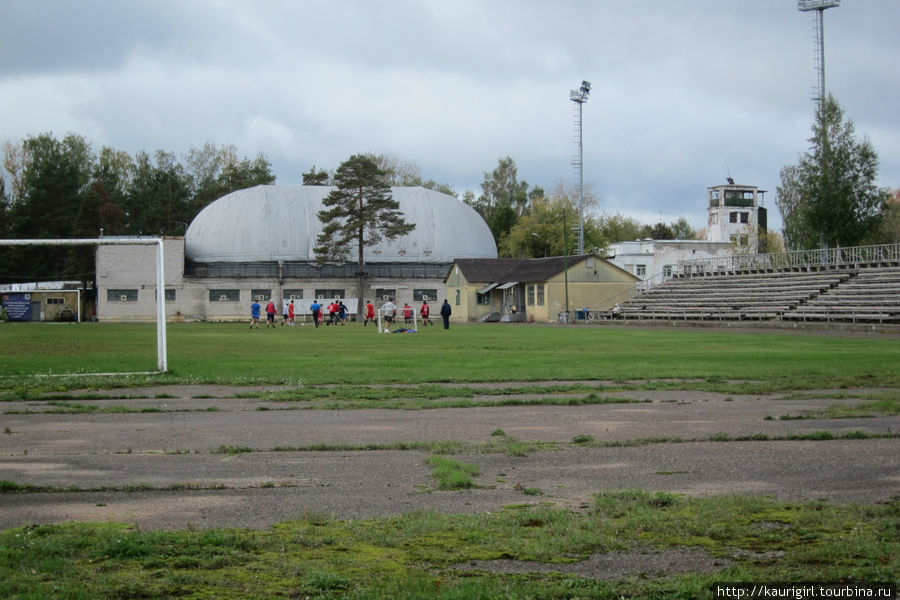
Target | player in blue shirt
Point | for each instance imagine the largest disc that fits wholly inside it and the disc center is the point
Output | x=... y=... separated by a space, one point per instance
x=254 y=314
x=315 y=307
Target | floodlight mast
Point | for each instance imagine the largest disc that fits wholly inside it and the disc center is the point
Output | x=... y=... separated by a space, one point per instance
x=820 y=6
x=580 y=96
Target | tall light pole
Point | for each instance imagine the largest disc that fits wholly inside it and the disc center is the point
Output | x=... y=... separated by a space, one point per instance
x=579 y=97
x=820 y=6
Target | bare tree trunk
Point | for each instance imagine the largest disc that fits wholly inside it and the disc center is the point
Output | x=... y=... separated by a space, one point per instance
x=360 y=277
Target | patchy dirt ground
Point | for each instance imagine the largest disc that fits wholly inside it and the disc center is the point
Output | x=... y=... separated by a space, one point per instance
x=165 y=469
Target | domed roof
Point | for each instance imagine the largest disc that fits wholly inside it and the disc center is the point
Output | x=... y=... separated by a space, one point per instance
x=272 y=223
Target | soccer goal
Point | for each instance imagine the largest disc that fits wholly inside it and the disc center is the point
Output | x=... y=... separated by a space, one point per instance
x=398 y=321
x=161 y=350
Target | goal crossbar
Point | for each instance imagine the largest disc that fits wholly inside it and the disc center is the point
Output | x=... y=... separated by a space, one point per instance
x=161 y=350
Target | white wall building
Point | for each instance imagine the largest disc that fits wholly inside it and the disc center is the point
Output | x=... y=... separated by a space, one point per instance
x=736 y=220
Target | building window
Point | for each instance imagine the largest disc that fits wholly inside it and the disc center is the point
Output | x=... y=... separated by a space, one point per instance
x=121 y=295
x=422 y=294
x=745 y=217
x=385 y=293
x=540 y=294
x=170 y=295
x=640 y=271
x=292 y=294
x=714 y=218
x=457 y=297
x=733 y=217
x=667 y=271
x=529 y=292
x=323 y=294
x=261 y=295
x=483 y=298
x=224 y=295
x=56 y=300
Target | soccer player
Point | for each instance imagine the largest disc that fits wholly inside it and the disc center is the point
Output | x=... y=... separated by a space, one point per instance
x=370 y=313
x=388 y=309
x=254 y=314
x=315 y=308
x=271 y=311
x=424 y=311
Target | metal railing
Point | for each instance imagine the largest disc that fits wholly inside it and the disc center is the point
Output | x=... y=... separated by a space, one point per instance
x=825 y=258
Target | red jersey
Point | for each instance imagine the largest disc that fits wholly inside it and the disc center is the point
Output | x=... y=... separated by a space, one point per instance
x=370 y=311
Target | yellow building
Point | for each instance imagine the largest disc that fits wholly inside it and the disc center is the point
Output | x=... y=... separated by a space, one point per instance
x=534 y=289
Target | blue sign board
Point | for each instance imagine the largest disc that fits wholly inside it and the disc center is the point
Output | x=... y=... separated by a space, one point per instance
x=17 y=306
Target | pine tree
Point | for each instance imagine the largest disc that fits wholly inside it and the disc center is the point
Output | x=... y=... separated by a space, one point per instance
x=359 y=213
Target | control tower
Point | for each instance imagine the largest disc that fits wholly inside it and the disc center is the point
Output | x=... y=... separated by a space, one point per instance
x=736 y=214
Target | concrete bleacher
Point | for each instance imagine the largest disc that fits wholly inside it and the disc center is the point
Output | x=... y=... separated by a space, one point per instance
x=853 y=295
x=870 y=295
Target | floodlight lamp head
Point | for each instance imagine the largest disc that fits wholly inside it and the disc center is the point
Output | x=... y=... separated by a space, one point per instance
x=806 y=5
x=580 y=95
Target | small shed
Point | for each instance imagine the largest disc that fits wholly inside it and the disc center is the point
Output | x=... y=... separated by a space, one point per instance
x=534 y=289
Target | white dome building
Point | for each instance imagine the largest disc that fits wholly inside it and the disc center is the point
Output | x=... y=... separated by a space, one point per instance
x=270 y=223
x=258 y=244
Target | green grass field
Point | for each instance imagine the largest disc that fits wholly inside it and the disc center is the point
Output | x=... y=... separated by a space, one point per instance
x=427 y=555
x=232 y=354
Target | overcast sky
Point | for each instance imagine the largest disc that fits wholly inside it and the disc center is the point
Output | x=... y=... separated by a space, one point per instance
x=684 y=93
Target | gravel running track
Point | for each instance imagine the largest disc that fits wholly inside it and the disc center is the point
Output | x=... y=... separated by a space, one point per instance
x=160 y=470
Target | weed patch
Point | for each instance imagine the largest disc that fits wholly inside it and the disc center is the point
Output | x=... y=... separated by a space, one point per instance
x=419 y=555
x=452 y=474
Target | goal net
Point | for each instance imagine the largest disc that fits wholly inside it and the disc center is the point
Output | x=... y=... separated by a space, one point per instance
x=404 y=317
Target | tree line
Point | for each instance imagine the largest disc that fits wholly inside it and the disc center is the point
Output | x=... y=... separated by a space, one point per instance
x=62 y=188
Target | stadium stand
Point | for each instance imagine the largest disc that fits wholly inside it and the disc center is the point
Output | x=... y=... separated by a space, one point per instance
x=853 y=292
x=869 y=295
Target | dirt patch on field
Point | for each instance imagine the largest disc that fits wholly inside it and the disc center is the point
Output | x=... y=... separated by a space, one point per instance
x=610 y=565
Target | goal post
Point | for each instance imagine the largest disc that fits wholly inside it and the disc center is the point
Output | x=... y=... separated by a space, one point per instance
x=161 y=346
x=398 y=319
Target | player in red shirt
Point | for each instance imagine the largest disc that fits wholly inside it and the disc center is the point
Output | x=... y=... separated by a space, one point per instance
x=407 y=314
x=424 y=311
x=270 y=314
x=370 y=313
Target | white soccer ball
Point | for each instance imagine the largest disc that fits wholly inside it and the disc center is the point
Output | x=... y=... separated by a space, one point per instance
x=386 y=330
